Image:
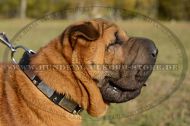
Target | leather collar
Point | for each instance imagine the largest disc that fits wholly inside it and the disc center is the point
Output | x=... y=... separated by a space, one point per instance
x=55 y=97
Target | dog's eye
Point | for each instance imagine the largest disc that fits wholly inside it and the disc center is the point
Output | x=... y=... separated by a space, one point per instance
x=116 y=41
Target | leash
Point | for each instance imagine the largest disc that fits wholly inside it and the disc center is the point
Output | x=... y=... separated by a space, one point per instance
x=57 y=98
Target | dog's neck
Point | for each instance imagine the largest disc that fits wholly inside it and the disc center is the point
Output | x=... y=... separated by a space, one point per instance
x=66 y=81
x=28 y=99
x=55 y=73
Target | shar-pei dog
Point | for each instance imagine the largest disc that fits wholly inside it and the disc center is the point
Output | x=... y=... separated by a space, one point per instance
x=90 y=65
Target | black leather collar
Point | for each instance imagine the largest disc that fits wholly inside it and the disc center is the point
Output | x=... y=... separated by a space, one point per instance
x=55 y=97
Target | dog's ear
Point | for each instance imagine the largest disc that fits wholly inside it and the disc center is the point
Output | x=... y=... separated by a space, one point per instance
x=85 y=31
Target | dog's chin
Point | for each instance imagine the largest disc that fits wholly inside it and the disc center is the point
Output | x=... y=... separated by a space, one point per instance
x=123 y=89
x=112 y=93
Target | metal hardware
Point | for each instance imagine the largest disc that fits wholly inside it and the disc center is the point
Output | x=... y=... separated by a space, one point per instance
x=20 y=47
x=5 y=41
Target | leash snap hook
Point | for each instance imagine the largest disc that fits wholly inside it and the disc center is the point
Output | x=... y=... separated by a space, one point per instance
x=5 y=41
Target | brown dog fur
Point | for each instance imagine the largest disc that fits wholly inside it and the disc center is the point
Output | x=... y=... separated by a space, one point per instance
x=21 y=103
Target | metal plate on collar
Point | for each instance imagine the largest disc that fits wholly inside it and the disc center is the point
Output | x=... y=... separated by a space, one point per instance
x=68 y=105
x=45 y=89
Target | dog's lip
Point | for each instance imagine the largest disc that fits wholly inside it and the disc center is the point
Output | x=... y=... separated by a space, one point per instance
x=116 y=87
x=142 y=75
x=130 y=85
x=113 y=94
x=124 y=88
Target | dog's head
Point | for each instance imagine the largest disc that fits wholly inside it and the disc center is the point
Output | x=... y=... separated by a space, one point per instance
x=114 y=60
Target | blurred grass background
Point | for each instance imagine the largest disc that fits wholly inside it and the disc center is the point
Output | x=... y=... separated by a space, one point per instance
x=175 y=14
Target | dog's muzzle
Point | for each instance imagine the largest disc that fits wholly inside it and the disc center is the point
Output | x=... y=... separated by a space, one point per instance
x=140 y=57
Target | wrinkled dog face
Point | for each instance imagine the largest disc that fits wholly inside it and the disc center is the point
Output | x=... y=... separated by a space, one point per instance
x=118 y=60
x=132 y=74
x=125 y=80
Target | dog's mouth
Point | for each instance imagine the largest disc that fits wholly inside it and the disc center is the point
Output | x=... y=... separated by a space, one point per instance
x=125 y=88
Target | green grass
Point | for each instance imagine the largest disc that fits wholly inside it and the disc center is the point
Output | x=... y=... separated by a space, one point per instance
x=173 y=112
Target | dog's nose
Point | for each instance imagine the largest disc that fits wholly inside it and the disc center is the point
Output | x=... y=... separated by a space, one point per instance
x=149 y=46
x=154 y=52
